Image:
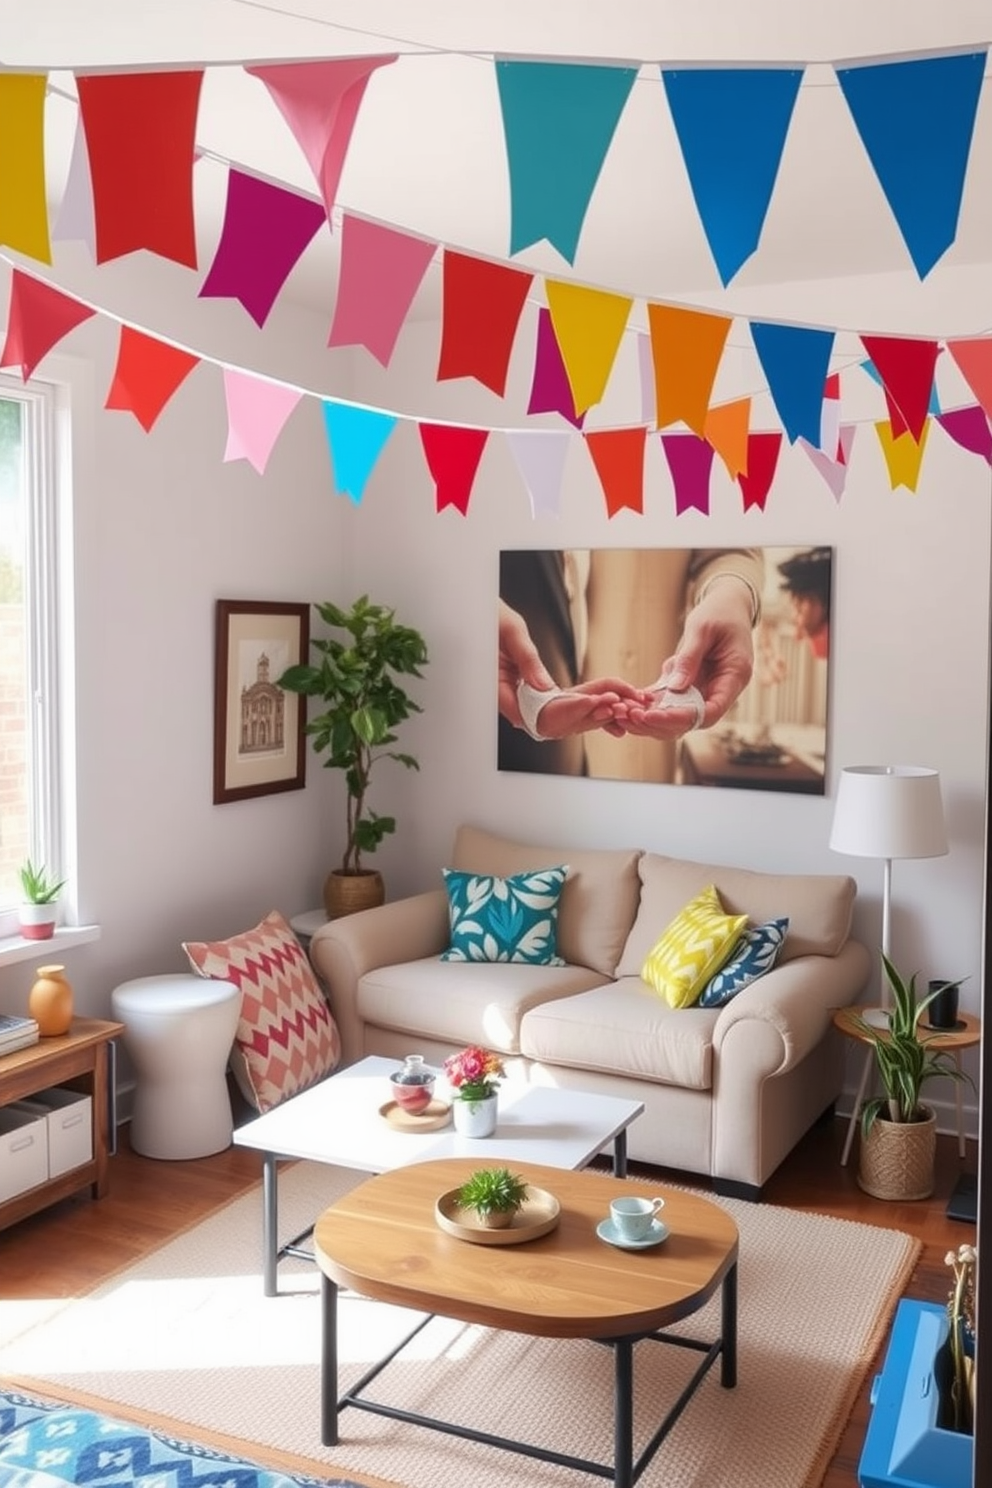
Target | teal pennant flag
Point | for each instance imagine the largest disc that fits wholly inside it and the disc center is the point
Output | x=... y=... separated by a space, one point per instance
x=356 y=437
x=558 y=122
x=795 y=361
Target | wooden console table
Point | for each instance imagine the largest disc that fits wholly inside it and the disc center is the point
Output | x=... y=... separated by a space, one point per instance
x=83 y=1060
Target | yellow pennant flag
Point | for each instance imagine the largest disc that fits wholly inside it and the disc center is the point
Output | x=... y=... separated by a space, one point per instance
x=726 y=430
x=903 y=455
x=686 y=347
x=588 y=325
x=23 y=207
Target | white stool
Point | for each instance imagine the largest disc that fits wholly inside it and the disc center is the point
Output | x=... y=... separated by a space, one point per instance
x=178 y=1032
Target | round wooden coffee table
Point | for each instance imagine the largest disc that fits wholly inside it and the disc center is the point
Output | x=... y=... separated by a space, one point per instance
x=382 y=1241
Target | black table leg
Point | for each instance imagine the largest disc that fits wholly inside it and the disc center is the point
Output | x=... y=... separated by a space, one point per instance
x=328 y=1362
x=728 y=1329
x=620 y=1154
x=623 y=1412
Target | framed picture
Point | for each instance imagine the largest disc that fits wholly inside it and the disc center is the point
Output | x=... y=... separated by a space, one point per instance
x=259 y=738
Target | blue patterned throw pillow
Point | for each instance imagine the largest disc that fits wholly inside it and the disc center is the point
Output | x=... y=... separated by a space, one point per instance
x=755 y=953
x=504 y=919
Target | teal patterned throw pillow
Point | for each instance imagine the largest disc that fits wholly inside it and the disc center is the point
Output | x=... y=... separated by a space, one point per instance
x=504 y=919
x=755 y=953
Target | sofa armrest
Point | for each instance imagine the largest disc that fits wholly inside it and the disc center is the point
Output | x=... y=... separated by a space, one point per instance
x=343 y=950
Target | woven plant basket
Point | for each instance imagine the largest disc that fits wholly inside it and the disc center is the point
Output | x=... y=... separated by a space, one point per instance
x=897 y=1158
x=345 y=893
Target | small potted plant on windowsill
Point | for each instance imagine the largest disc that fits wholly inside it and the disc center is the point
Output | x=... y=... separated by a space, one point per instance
x=39 y=911
x=495 y=1195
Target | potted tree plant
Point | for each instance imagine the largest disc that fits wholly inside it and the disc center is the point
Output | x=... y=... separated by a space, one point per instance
x=354 y=676
x=40 y=908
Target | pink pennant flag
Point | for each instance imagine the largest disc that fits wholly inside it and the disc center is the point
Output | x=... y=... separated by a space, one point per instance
x=540 y=456
x=320 y=103
x=256 y=415
x=645 y=368
x=969 y=427
x=381 y=271
x=75 y=221
x=834 y=471
x=453 y=456
x=266 y=229
x=38 y=316
x=550 y=390
x=690 y=460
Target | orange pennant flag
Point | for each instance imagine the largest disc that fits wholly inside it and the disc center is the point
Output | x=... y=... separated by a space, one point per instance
x=146 y=376
x=686 y=347
x=37 y=317
x=974 y=357
x=618 y=455
x=23 y=202
x=903 y=454
x=726 y=431
x=483 y=302
x=588 y=326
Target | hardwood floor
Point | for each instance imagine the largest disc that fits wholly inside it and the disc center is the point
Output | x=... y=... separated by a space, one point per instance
x=76 y=1244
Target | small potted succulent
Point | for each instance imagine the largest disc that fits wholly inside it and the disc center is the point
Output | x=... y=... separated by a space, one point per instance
x=494 y=1195
x=39 y=911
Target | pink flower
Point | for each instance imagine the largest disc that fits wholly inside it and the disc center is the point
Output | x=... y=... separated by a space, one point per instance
x=475 y=1072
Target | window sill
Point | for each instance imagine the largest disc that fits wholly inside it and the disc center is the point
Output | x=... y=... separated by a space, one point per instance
x=14 y=948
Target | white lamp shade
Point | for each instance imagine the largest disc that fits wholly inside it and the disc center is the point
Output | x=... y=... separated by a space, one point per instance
x=889 y=811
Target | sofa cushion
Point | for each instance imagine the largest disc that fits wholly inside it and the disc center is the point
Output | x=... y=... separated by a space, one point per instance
x=818 y=906
x=598 y=901
x=755 y=953
x=504 y=919
x=691 y=948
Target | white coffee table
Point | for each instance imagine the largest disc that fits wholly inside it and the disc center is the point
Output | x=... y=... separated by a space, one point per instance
x=338 y=1122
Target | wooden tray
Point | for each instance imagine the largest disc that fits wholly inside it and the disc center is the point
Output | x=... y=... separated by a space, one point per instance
x=537 y=1216
x=431 y=1118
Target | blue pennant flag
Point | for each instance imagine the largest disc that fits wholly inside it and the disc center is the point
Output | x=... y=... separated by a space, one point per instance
x=732 y=125
x=558 y=122
x=356 y=437
x=795 y=361
x=916 y=121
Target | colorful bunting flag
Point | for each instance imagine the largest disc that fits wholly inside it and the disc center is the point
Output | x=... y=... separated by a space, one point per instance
x=75 y=222
x=906 y=368
x=645 y=372
x=732 y=125
x=482 y=306
x=23 y=202
x=830 y=418
x=795 y=361
x=550 y=391
x=903 y=454
x=969 y=427
x=540 y=457
x=689 y=460
x=257 y=411
x=38 y=316
x=147 y=374
x=974 y=359
x=686 y=347
x=833 y=468
x=618 y=455
x=379 y=274
x=356 y=437
x=762 y=459
x=140 y=139
x=558 y=123
x=453 y=456
x=589 y=324
x=266 y=229
x=916 y=121
x=726 y=429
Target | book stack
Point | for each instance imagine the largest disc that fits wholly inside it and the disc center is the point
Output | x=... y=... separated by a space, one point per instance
x=16 y=1033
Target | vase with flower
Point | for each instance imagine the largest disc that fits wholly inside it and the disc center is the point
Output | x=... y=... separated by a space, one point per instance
x=474 y=1075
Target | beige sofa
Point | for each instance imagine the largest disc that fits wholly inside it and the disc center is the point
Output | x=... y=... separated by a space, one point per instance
x=727 y=1092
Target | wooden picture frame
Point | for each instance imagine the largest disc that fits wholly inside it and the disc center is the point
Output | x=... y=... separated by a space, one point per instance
x=259 y=730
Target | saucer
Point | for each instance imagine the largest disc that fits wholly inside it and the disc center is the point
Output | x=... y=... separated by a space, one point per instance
x=607 y=1230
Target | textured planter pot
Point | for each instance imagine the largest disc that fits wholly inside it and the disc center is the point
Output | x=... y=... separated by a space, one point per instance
x=497 y=1220
x=475 y=1118
x=897 y=1159
x=37 y=921
x=346 y=893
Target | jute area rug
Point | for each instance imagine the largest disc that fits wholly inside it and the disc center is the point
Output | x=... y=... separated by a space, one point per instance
x=186 y=1335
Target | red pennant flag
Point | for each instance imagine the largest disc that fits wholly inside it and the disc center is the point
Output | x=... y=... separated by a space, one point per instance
x=906 y=368
x=37 y=317
x=974 y=358
x=140 y=138
x=146 y=376
x=453 y=456
x=762 y=458
x=618 y=455
x=482 y=305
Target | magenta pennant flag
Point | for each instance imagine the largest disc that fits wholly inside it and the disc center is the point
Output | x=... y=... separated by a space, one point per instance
x=689 y=459
x=381 y=271
x=256 y=415
x=969 y=428
x=75 y=221
x=540 y=456
x=551 y=391
x=320 y=103
x=834 y=471
x=266 y=229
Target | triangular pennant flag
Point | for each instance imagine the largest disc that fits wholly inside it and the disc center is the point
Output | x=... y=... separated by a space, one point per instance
x=146 y=375
x=266 y=229
x=140 y=139
x=356 y=437
x=550 y=391
x=645 y=372
x=726 y=429
x=969 y=427
x=833 y=470
x=906 y=367
x=916 y=121
x=257 y=411
x=37 y=317
x=381 y=271
x=974 y=359
x=762 y=459
x=732 y=124
x=320 y=102
x=689 y=460
x=453 y=456
x=618 y=455
x=686 y=347
x=903 y=454
x=23 y=202
x=540 y=456
x=589 y=324
x=482 y=305
x=558 y=123
x=830 y=417
x=795 y=360
x=75 y=222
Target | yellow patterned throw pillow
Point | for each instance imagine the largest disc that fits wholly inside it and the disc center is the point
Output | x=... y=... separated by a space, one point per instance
x=695 y=945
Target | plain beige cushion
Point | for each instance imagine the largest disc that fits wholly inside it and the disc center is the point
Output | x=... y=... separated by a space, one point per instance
x=819 y=906
x=598 y=901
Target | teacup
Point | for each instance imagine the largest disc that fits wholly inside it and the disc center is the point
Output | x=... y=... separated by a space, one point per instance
x=633 y=1217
